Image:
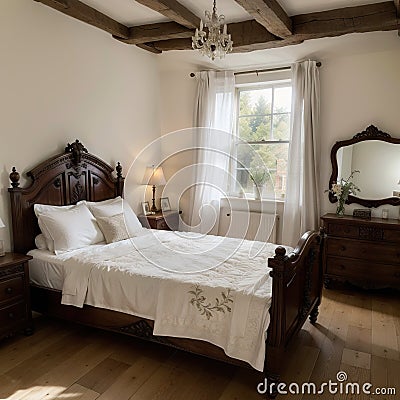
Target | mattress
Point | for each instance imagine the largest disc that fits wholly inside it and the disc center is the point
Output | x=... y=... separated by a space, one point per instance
x=46 y=268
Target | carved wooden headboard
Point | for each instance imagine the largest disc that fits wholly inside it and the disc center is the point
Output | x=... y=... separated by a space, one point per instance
x=61 y=180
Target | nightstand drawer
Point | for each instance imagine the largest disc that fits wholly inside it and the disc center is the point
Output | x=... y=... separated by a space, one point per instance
x=162 y=224
x=12 y=288
x=12 y=314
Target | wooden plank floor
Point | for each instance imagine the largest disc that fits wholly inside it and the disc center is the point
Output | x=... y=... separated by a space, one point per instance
x=357 y=332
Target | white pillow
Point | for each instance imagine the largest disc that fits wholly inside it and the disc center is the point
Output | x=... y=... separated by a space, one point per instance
x=113 y=228
x=72 y=229
x=40 y=242
x=43 y=209
x=109 y=208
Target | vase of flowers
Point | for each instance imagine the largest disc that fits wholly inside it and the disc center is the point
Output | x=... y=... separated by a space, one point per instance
x=341 y=190
x=259 y=177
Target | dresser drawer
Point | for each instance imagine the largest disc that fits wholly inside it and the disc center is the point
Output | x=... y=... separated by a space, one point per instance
x=348 y=231
x=363 y=250
x=11 y=289
x=13 y=314
x=363 y=270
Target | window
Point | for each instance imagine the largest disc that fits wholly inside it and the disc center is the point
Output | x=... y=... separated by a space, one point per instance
x=263 y=127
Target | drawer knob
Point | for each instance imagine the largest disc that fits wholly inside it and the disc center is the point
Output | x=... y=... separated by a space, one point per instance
x=11 y=315
x=342 y=267
x=343 y=248
x=397 y=274
x=9 y=290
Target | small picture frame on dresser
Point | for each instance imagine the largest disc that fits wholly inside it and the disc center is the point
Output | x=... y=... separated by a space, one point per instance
x=363 y=213
x=146 y=207
x=165 y=206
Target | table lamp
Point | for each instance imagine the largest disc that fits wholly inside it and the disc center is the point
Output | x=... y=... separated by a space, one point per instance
x=2 y=253
x=155 y=177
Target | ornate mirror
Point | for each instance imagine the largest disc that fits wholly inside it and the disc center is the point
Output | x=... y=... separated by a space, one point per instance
x=377 y=156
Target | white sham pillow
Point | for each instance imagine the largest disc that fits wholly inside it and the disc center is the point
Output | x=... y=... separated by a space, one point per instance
x=42 y=209
x=71 y=229
x=40 y=242
x=109 y=208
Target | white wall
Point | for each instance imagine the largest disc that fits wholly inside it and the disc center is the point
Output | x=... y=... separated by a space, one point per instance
x=61 y=79
x=357 y=90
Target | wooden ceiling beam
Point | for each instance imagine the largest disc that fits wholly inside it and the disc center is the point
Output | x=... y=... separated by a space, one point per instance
x=397 y=5
x=149 y=48
x=270 y=15
x=81 y=11
x=174 y=11
x=155 y=32
x=249 y=36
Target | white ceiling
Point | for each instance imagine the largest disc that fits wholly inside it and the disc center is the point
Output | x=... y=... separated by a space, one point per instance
x=130 y=13
x=317 y=49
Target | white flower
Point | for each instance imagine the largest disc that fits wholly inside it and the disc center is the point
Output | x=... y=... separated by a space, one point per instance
x=337 y=189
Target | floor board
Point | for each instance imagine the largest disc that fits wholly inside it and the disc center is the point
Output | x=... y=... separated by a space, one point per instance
x=358 y=332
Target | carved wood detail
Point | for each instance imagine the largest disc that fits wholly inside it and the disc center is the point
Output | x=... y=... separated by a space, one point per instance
x=143 y=330
x=16 y=269
x=370 y=233
x=60 y=180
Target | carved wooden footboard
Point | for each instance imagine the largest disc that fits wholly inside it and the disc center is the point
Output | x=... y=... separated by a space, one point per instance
x=296 y=294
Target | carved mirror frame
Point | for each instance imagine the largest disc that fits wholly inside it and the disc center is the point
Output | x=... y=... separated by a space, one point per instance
x=371 y=133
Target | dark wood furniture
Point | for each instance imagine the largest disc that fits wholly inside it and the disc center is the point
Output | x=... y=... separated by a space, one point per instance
x=15 y=308
x=363 y=252
x=167 y=220
x=76 y=175
x=370 y=134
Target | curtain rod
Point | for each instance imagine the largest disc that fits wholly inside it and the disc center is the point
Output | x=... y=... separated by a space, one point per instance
x=259 y=71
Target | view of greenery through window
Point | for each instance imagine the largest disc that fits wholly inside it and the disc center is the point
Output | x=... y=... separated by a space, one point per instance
x=264 y=124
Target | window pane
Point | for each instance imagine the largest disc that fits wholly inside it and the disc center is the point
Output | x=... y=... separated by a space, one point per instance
x=273 y=156
x=281 y=126
x=255 y=102
x=255 y=128
x=282 y=99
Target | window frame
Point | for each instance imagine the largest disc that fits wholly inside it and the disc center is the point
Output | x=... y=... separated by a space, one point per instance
x=259 y=85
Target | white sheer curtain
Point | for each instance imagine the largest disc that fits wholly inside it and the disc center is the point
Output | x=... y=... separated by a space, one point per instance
x=302 y=208
x=214 y=119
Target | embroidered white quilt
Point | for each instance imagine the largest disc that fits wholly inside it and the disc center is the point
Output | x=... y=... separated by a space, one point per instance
x=201 y=287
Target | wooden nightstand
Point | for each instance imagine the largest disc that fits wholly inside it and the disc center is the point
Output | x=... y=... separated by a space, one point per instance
x=15 y=308
x=167 y=220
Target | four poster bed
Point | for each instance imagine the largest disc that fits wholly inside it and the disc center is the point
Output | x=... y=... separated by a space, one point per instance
x=77 y=175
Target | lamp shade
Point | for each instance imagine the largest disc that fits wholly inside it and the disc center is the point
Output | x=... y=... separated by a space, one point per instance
x=2 y=224
x=154 y=176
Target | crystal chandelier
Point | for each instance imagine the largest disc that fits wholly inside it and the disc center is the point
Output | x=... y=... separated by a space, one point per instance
x=215 y=42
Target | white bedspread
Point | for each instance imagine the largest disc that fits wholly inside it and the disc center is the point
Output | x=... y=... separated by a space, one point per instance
x=209 y=288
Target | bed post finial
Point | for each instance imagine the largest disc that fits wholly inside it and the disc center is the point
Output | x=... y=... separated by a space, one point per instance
x=119 y=170
x=120 y=180
x=14 y=178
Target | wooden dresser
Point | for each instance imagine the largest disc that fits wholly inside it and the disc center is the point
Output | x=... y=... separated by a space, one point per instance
x=363 y=252
x=15 y=309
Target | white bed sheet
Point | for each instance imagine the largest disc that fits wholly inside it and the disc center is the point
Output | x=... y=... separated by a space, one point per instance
x=154 y=276
x=47 y=269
